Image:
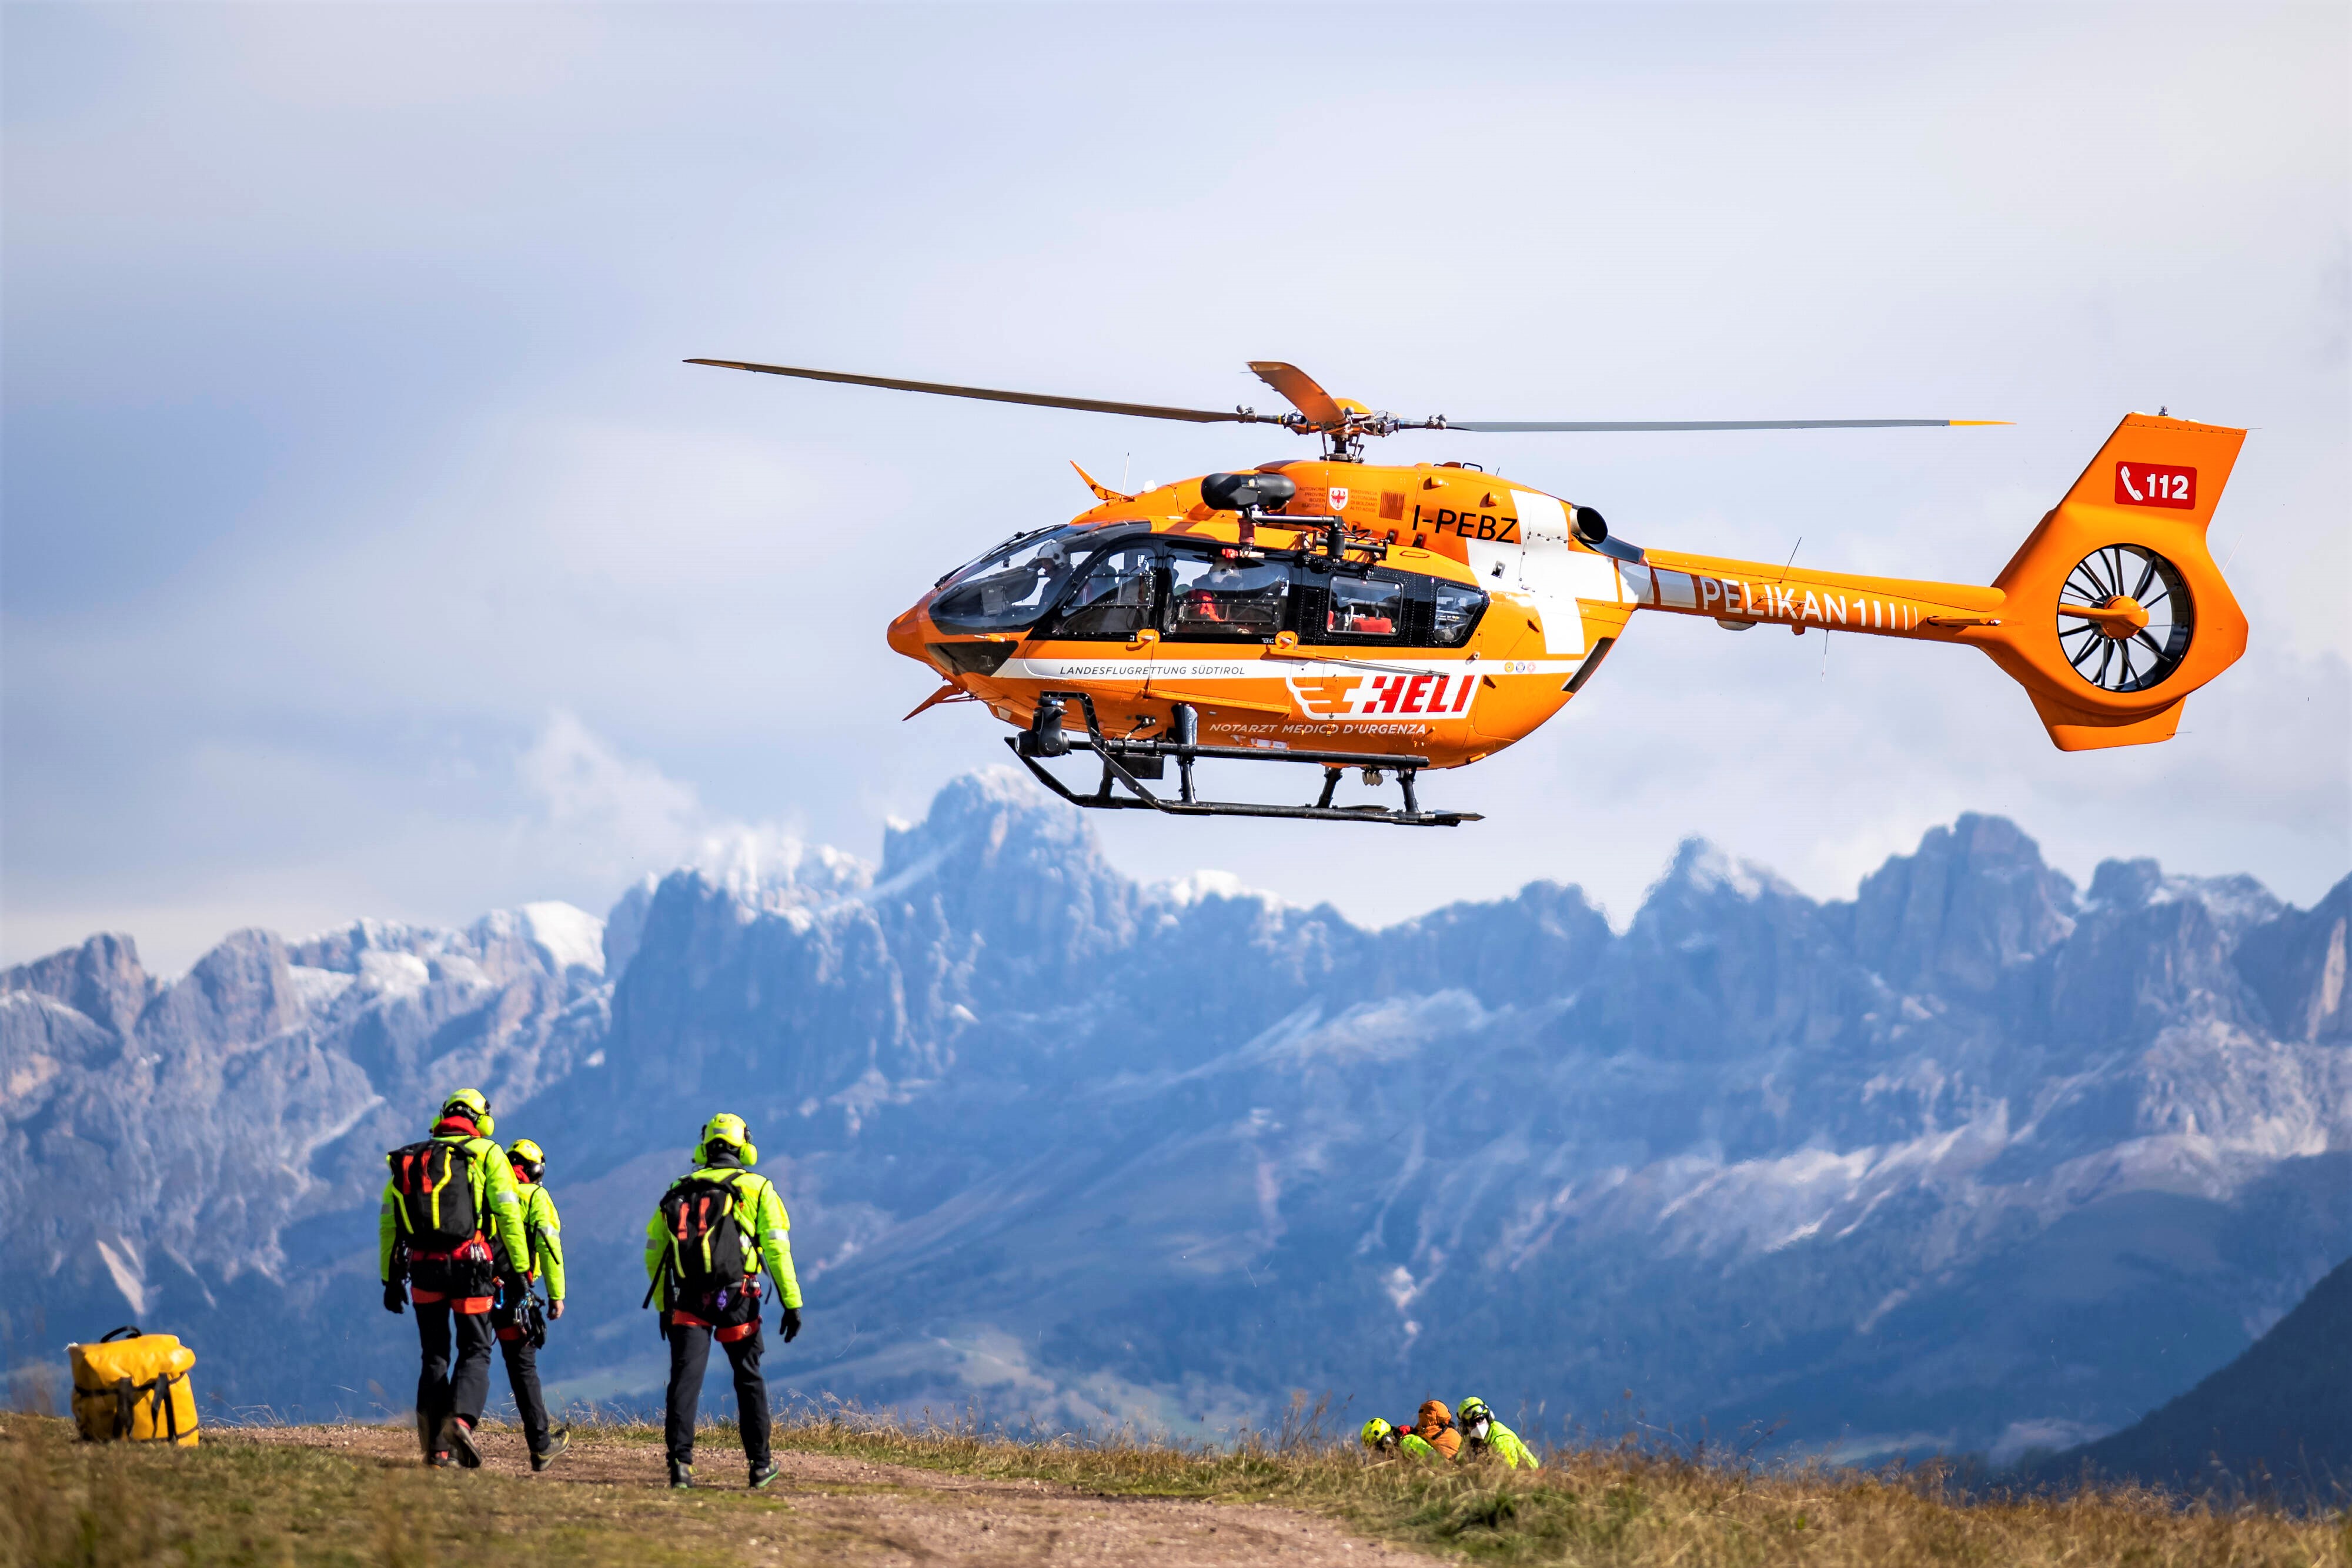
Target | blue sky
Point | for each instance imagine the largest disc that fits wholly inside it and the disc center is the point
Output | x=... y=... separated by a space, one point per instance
x=368 y=551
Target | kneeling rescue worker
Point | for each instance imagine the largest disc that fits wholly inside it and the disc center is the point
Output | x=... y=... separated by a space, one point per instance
x=716 y=1227
x=1436 y=1427
x=444 y=1194
x=1383 y=1438
x=1482 y=1435
x=519 y=1319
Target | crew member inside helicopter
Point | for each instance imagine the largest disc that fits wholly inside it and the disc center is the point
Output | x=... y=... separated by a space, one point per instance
x=1224 y=597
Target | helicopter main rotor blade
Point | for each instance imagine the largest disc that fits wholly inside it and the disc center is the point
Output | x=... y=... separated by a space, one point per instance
x=1294 y=384
x=990 y=394
x=1509 y=426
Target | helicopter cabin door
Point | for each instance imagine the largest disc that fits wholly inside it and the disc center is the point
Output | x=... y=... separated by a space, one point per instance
x=1542 y=568
x=1224 y=604
x=1102 y=638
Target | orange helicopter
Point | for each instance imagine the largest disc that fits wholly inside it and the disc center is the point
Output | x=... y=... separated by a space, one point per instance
x=1342 y=614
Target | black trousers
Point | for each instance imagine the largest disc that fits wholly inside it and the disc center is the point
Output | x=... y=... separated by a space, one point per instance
x=690 y=1354
x=523 y=1375
x=442 y=1390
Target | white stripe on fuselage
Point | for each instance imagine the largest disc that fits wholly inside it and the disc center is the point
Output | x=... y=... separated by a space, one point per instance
x=1272 y=668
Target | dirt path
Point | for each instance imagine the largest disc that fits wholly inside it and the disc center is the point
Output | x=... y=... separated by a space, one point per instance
x=897 y=1514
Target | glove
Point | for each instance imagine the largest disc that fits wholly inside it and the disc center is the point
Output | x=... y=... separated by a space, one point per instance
x=395 y=1296
x=555 y=1308
x=789 y=1321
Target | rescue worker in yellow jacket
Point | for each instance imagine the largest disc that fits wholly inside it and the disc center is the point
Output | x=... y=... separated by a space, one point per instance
x=1482 y=1435
x=450 y=1210
x=718 y=1228
x=521 y=1320
x=1383 y=1438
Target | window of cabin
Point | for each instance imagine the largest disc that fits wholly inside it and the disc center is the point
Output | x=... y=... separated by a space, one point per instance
x=1365 y=609
x=1010 y=587
x=1457 y=612
x=1117 y=597
x=1222 y=597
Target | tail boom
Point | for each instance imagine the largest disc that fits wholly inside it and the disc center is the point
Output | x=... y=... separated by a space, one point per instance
x=2063 y=611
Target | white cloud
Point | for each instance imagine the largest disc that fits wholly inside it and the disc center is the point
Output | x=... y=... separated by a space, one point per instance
x=602 y=813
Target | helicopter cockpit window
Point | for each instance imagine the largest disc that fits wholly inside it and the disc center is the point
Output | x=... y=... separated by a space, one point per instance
x=1457 y=610
x=1227 y=597
x=1369 y=607
x=1010 y=587
x=1117 y=597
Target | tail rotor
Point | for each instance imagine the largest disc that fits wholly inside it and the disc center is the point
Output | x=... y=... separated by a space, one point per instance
x=2115 y=610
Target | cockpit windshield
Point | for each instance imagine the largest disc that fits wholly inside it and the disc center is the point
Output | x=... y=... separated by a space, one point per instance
x=1012 y=586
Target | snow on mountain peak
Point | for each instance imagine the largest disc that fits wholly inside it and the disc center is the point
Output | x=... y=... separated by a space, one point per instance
x=767 y=870
x=1706 y=867
x=568 y=935
x=1183 y=892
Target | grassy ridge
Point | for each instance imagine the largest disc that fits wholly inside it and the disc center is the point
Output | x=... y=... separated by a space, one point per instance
x=246 y=1499
x=1624 y=1509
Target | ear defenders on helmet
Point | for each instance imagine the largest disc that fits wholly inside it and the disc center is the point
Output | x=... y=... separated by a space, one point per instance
x=475 y=1106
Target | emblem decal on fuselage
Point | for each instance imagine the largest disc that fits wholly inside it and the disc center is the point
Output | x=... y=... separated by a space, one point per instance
x=1442 y=696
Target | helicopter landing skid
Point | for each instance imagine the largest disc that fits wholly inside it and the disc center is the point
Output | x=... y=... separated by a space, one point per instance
x=1128 y=762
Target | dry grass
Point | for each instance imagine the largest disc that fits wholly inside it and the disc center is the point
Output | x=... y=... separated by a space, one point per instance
x=248 y=1500
x=1623 y=1508
x=238 y=1500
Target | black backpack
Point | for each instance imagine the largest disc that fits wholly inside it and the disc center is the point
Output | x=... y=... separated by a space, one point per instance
x=710 y=1258
x=435 y=1182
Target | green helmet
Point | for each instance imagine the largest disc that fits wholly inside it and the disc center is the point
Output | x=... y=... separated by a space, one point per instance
x=1472 y=1411
x=472 y=1104
x=527 y=1158
x=728 y=1128
x=1376 y=1432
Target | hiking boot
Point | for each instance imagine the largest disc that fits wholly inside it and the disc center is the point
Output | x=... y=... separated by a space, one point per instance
x=460 y=1433
x=681 y=1477
x=555 y=1446
x=436 y=1461
x=762 y=1473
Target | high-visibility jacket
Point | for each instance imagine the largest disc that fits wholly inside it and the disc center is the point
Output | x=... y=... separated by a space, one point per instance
x=1414 y=1443
x=760 y=1209
x=1504 y=1444
x=545 y=1231
x=496 y=1201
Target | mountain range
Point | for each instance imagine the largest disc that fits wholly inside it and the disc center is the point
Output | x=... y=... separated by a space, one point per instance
x=1975 y=1160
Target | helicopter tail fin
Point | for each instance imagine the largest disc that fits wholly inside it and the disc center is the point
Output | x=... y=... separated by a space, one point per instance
x=2113 y=611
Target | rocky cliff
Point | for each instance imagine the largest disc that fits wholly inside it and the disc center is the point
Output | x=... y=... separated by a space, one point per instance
x=1973 y=1160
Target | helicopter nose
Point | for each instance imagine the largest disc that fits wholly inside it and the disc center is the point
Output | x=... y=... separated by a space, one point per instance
x=906 y=632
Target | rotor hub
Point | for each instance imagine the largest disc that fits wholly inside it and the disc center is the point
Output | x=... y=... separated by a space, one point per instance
x=2121 y=616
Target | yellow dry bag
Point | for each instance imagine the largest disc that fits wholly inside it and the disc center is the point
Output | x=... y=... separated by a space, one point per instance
x=134 y=1386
